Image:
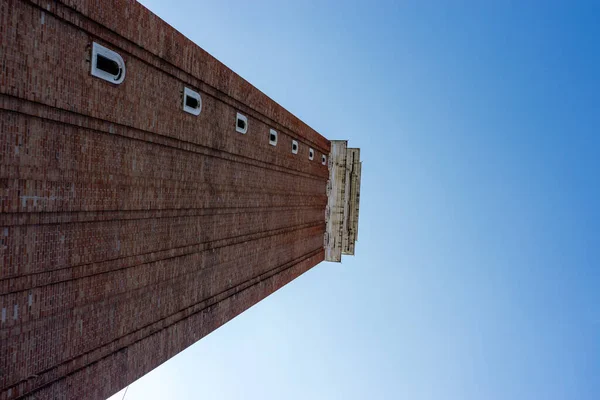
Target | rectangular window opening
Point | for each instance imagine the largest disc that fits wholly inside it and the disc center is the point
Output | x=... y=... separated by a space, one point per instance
x=107 y=65
x=241 y=123
x=273 y=137
x=192 y=102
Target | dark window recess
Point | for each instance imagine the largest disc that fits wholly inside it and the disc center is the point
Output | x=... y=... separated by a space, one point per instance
x=241 y=124
x=295 y=146
x=273 y=138
x=107 y=65
x=192 y=102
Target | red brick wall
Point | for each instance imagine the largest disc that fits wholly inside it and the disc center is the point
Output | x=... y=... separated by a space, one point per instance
x=130 y=229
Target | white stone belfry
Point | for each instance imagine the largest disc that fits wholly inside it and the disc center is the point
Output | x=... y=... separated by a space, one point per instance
x=343 y=200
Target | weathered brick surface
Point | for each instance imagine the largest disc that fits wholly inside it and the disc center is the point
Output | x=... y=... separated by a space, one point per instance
x=130 y=229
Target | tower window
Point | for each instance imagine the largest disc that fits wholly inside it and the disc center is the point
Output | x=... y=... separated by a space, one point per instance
x=273 y=137
x=311 y=154
x=294 y=147
x=323 y=159
x=107 y=64
x=241 y=123
x=192 y=102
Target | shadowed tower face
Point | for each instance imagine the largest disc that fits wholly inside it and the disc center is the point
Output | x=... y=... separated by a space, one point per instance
x=148 y=195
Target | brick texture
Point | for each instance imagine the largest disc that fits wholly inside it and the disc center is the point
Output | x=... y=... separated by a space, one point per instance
x=130 y=229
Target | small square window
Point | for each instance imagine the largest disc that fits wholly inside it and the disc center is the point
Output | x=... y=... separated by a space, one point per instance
x=192 y=102
x=241 y=123
x=107 y=64
x=323 y=159
x=311 y=154
x=294 y=147
x=273 y=137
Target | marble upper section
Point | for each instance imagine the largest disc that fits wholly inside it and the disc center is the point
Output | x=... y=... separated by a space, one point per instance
x=343 y=193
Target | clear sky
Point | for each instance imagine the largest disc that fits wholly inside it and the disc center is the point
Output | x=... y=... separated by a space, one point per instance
x=477 y=274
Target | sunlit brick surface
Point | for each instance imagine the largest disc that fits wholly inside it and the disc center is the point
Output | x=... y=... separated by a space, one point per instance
x=130 y=229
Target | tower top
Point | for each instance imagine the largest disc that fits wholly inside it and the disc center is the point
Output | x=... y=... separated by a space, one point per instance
x=343 y=200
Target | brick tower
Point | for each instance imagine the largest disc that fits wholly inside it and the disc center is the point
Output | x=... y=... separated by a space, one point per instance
x=148 y=195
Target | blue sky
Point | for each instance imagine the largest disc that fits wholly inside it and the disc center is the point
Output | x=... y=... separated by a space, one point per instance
x=477 y=274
